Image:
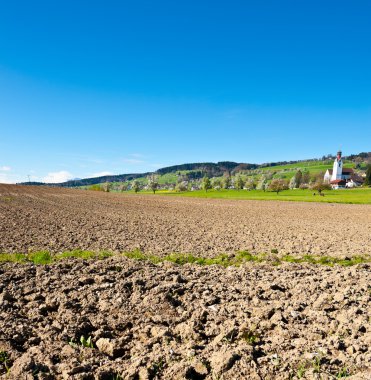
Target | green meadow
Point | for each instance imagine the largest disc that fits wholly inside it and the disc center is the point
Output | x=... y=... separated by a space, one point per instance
x=357 y=196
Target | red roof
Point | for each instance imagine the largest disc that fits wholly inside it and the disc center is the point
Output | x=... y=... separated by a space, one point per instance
x=345 y=170
x=342 y=181
x=357 y=178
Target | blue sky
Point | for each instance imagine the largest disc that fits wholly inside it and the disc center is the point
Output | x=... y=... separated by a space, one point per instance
x=91 y=87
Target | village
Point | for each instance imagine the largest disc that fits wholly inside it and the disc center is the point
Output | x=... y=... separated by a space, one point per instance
x=305 y=175
x=339 y=177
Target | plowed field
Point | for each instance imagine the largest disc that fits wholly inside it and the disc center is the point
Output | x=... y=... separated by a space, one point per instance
x=119 y=318
x=35 y=218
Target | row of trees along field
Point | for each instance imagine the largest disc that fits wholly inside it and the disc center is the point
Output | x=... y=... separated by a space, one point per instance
x=264 y=182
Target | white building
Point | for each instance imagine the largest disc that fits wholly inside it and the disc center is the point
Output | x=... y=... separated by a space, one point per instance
x=340 y=177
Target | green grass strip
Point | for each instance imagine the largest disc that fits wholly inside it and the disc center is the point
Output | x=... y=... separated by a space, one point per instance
x=242 y=257
x=45 y=257
x=225 y=260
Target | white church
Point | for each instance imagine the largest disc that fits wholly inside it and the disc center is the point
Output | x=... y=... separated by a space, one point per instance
x=339 y=177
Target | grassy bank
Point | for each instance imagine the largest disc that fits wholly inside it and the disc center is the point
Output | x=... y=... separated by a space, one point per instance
x=356 y=196
x=225 y=260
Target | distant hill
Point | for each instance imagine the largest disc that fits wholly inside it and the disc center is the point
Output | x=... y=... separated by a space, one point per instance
x=197 y=170
x=91 y=181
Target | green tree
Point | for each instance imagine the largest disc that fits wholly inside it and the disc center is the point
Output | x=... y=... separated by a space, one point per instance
x=206 y=183
x=305 y=176
x=239 y=182
x=181 y=186
x=262 y=185
x=320 y=186
x=278 y=185
x=250 y=184
x=292 y=184
x=135 y=186
x=216 y=183
x=227 y=182
x=107 y=187
x=298 y=178
x=153 y=183
x=368 y=176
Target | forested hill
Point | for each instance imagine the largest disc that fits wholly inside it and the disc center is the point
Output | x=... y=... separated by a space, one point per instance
x=199 y=169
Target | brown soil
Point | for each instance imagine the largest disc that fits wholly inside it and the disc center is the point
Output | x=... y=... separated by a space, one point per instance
x=167 y=321
x=34 y=218
x=184 y=322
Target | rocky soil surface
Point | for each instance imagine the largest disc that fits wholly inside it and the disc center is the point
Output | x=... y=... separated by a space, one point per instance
x=166 y=321
x=35 y=218
x=119 y=318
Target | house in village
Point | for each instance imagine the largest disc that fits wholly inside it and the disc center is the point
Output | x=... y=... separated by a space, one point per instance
x=339 y=177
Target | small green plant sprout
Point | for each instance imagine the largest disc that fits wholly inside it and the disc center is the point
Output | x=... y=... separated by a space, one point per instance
x=274 y=250
x=344 y=372
x=157 y=367
x=4 y=360
x=117 y=377
x=250 y=337
x=86 y=342
x=83 y=342
x=301 y=371
x=3 y=356
x=316 y=364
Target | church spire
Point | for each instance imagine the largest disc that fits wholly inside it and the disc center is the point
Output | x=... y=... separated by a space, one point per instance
x=338 y=155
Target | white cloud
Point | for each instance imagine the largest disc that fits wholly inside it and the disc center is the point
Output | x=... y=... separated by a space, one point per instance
x=101 y=174
x=56 y=177
x=133 y=161
x=5 y=168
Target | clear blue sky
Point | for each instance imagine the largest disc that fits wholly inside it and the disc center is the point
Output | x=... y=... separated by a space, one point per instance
x=127 y=86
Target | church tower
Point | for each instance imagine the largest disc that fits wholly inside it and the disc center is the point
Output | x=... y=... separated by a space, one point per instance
x=337 y=169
